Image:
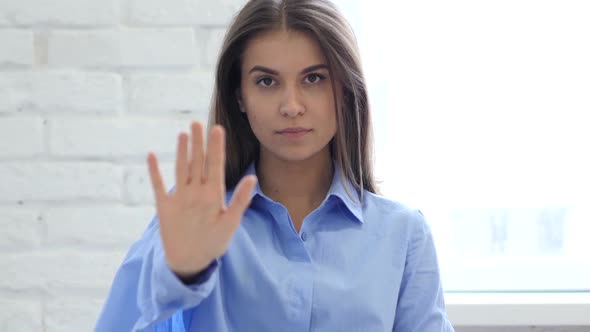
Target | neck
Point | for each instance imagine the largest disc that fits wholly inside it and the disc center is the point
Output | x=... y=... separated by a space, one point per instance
x=299 y=185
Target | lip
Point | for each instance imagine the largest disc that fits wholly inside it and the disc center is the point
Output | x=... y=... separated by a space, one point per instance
x=294 y=132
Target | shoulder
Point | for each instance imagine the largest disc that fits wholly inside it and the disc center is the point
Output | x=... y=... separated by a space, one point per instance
x=386 y=206
x=384 y=212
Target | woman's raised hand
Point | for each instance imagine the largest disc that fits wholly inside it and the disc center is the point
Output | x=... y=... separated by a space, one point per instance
x=195 y=224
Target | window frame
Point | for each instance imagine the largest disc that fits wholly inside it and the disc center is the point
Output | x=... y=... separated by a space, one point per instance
x=518 y=309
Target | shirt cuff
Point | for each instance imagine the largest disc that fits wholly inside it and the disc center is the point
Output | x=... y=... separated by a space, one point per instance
x=171 y=290
x=200 y=277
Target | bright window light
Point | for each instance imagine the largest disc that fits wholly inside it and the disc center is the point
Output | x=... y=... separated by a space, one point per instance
x=482 y=120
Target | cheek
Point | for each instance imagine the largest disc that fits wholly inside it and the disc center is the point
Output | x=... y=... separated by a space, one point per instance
x=253 y=119
x=261 y=111
x=257 y=123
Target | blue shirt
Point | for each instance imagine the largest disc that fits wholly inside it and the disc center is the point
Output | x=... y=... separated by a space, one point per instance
x=352 y=267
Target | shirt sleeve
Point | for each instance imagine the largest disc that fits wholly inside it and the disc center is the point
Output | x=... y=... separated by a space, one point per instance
x=146 y=293
x=421 y=306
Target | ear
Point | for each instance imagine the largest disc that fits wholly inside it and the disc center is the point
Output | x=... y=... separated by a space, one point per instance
x=238 y=94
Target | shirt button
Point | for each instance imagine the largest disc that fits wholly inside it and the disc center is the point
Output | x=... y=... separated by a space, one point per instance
x=304 y=236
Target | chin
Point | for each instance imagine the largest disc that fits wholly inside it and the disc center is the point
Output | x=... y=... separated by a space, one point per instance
x=296 y=155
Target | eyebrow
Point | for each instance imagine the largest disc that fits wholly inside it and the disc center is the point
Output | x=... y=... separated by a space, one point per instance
x=274 y=72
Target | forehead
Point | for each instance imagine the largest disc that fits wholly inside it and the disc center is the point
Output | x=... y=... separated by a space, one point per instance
x=283 y=50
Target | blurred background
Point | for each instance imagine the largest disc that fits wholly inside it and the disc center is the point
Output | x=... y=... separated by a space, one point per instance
x=480 y=120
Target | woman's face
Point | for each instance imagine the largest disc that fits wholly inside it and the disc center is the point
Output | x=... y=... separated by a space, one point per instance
x=287 y=95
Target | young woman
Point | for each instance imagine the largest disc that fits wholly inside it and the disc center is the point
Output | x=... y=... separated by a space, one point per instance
x=277 y=224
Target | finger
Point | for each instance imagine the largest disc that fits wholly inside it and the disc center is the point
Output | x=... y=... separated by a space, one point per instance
x=181 y=162
x=196 y=168
x=156 y=178
x=239 y=202
x=216 y=158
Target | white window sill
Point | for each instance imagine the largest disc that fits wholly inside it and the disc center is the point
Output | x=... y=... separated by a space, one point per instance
x=518 y=309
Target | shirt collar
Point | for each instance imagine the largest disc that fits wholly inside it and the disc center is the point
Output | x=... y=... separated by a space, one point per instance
x=352 y=201
x=337 y=189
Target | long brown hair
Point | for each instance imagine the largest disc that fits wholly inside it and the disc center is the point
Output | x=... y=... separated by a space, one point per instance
x=351 y=146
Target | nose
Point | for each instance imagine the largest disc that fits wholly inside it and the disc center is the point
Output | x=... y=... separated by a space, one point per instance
x=292 y=105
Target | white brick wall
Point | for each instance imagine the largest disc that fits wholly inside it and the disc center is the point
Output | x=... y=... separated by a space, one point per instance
x=69 y=13
x=40 y=88
x=17 y=47
x=123 y=47
x=21 y=315
x=87 y=88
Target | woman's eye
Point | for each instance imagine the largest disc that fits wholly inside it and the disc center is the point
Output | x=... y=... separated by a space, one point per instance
x=314 y=78
x=265 y=81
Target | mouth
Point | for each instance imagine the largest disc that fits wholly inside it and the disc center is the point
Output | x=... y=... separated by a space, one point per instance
x=294 y=132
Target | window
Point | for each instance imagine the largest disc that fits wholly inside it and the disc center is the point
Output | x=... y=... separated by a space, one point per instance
x=481 y=115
